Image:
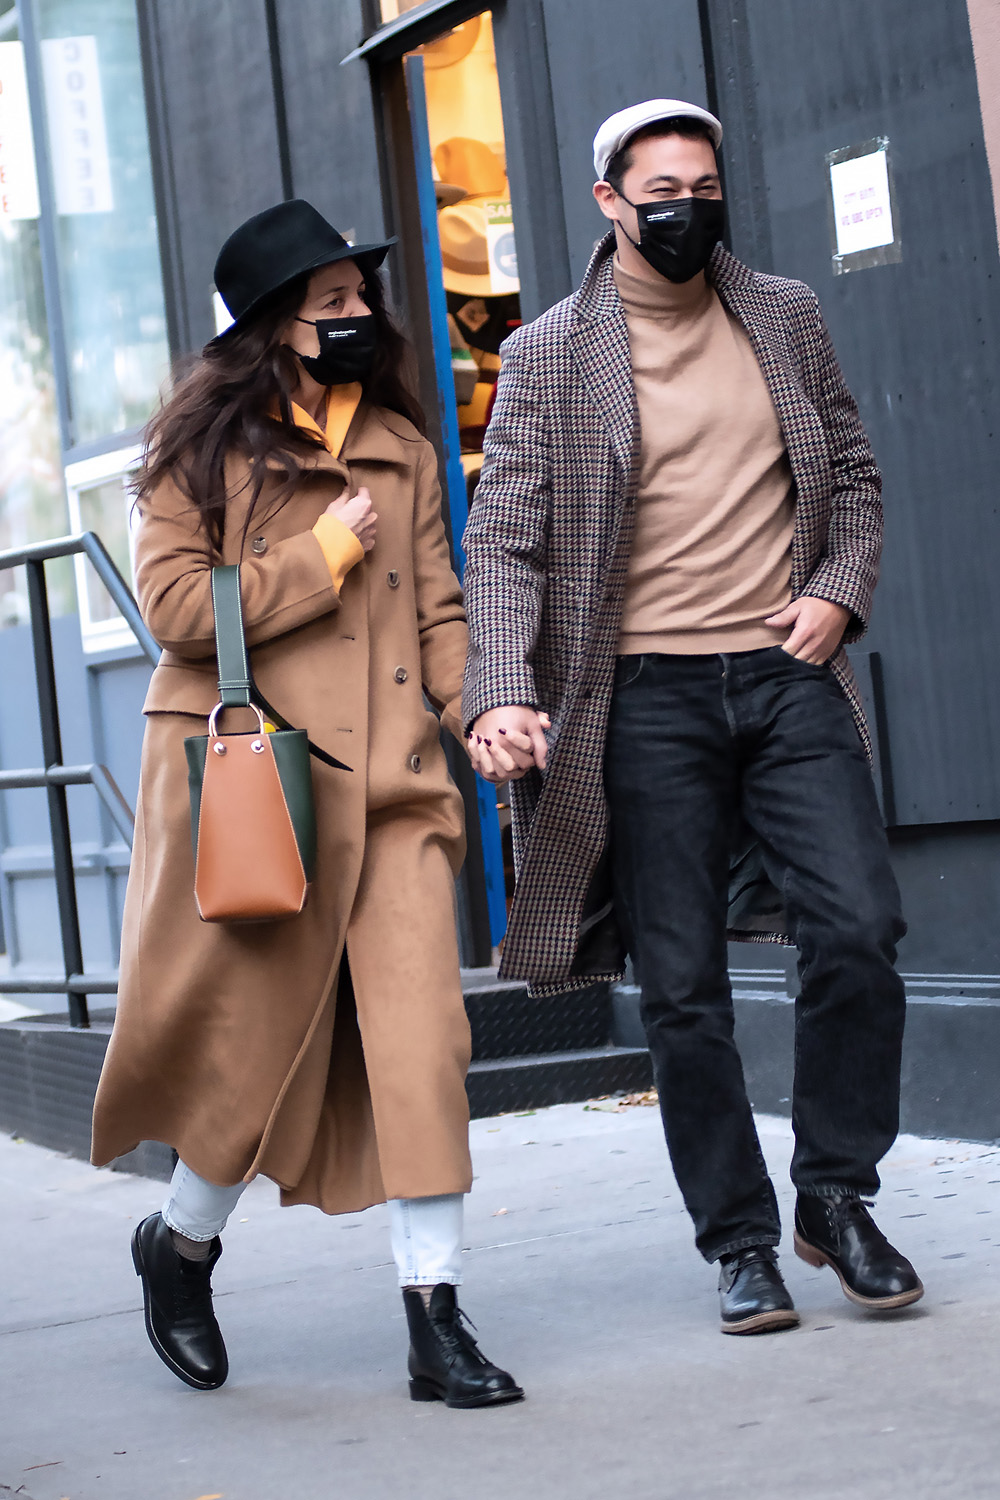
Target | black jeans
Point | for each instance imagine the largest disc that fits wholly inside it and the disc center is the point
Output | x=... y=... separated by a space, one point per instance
x=694 y=743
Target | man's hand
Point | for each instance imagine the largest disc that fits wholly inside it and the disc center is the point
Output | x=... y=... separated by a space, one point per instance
x=506 y=742
x=817 y=628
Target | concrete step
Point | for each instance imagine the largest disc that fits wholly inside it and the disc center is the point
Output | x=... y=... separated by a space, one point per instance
x=503 y=1086
x=527 y=1054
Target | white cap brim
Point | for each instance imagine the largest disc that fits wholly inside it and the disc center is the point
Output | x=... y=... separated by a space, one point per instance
x=621 y=127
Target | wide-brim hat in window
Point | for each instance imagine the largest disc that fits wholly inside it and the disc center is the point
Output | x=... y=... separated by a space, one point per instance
x=465 y=250
x=272 y=248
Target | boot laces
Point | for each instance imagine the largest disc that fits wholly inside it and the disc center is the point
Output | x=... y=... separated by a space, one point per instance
x=193 y=1293
x=456 y=1338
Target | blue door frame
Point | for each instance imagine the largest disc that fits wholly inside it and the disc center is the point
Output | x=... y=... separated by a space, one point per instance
x=455 y=494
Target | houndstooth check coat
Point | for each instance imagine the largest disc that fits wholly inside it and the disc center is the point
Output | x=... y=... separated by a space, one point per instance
x=548 y=545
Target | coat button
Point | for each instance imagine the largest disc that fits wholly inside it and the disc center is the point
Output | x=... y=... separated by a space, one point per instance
x=401 y=674
x=259 y=545
x=392 y=579
x=414 y=762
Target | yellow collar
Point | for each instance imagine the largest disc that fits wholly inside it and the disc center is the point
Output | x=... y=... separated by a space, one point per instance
x=341 y=404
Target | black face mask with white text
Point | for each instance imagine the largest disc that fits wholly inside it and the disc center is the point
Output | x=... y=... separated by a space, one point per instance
x=677 y=236
x=346 y=349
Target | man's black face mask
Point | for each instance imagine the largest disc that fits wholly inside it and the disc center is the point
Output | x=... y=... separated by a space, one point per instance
x=677 y=236
x=346 y=349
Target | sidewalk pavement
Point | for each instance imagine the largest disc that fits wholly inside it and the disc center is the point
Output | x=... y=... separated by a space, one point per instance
x=582 y=1279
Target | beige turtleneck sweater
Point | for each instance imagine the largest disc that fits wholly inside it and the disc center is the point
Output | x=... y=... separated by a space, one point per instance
x=711 y=552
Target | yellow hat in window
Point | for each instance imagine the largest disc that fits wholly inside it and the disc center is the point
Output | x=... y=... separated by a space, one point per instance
x=473 y=165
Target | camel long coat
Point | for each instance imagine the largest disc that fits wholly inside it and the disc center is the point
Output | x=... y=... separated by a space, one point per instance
x=230 y=1044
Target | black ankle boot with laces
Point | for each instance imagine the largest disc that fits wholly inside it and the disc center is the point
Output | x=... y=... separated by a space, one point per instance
x=177 y=1298
x=836 y=1230
x=445 y=1363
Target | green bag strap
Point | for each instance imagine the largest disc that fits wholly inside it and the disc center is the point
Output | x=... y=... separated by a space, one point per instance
x=230 y=642
x=237 y=688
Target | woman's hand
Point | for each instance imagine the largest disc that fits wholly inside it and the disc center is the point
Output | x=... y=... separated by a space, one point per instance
x=357 y=514
x=505 y=743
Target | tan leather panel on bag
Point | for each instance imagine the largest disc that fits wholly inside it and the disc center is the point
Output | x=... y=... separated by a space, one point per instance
x=249 y=868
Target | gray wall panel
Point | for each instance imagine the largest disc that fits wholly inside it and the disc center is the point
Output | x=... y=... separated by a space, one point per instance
x=212 y=107
x=603 y=58
x=329 y=112
x=912 y=338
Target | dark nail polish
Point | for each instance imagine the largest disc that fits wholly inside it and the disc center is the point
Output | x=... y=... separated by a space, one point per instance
x=479 y=739
x=487 y=742
x=501 y=731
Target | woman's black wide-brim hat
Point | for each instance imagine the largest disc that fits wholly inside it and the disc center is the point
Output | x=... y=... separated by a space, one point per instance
x=272 y=248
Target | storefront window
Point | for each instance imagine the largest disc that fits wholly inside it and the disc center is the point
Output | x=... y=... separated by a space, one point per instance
x=109 y=262
x=101 y=246
x=475 y=223
x=32 y=497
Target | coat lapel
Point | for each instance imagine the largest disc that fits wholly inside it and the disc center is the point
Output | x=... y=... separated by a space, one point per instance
x=598 y=341
x=800 y=423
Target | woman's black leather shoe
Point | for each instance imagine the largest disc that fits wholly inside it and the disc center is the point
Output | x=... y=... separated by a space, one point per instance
x=752 y=1295
x=445 y=1361
x=177 y=1298
x=839 y=1232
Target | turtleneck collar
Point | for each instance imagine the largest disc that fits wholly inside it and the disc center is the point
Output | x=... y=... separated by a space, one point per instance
x=661 y=299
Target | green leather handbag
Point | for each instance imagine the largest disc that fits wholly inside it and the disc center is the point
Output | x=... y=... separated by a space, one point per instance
x=253 y=817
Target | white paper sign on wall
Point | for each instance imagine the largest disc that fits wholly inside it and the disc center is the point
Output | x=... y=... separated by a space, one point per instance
x=864 y=229
x=78 y=138
x=18 y=179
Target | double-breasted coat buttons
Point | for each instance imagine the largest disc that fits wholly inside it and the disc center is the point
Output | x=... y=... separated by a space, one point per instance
x=414 y=762
x=392 y=579
x=259 y=545
x=401 y=674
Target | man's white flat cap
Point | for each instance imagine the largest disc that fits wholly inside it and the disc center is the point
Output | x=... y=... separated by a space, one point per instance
x=621 y=127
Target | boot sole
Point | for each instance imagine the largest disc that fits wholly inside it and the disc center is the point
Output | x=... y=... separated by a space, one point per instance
x=171 y=1364
x=765 y=1322
x=424 y=1390
x=817 y=1258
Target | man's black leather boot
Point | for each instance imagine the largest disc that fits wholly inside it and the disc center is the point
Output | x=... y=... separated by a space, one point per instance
x=752 y=1296
x=445 y=1361
x=838 y=1231
x=177 y=1298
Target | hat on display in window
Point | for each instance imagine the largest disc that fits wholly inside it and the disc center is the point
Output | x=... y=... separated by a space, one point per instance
x=465 y=251
x=447 y=193
x=472 y=165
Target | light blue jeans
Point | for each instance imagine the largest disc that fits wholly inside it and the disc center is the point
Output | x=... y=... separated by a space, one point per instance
x=426 y=1232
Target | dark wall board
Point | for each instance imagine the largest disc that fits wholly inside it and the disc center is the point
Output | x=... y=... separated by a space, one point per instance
x=950 y=883
x=212 y=108
x=914 y=339
x=533 y=166
x=248 y=105
x=329 y=112
x=601 y=58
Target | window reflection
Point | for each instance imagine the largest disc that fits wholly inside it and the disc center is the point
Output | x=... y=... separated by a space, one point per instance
x=105 y=218
x=32 y=497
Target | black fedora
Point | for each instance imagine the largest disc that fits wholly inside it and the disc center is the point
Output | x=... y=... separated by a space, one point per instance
x=274 y=247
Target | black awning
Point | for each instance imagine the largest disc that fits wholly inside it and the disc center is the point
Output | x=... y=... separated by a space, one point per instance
x=414 y=27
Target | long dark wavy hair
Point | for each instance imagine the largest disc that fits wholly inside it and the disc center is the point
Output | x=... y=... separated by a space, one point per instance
x=226 y=403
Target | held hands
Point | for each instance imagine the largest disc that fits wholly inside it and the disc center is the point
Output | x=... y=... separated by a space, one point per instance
x=506 y=742
x=817 y=628
x=357 y=514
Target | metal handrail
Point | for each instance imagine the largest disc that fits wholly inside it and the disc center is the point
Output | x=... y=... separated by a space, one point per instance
x=54 y=777
x=104 y=565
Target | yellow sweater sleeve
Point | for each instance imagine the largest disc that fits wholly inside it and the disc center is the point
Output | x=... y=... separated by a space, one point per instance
x=341 y=548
